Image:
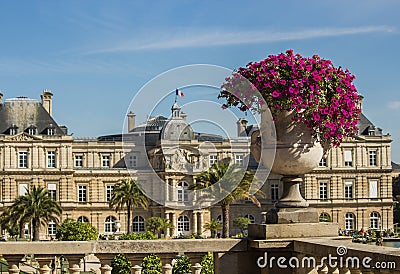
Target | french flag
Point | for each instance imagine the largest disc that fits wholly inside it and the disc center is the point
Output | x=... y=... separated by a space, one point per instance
x=179 y=93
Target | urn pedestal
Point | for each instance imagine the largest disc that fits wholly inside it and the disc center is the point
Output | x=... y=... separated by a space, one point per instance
x=296 y=153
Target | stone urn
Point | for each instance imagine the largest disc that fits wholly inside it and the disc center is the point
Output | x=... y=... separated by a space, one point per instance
x=296 y=153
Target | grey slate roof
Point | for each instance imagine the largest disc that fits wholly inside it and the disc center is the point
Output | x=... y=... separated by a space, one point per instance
x=23 y=113
x=365 y=126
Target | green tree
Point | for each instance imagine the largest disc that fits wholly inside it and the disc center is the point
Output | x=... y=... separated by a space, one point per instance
x=213 y=226
x=242 y=223
x=10 y=224
x=127 y=193
x=37 y=207
x=207 y=263
x=217 y=182
x=151 y=264
x=120 y=265
x=158 y=225
x=182 y=265
x=71 y=230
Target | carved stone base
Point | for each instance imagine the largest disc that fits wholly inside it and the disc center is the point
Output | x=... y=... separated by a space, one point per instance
x=299 y=230
x=291 y=215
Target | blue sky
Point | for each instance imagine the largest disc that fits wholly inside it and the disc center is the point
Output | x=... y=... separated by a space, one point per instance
x=95 y=55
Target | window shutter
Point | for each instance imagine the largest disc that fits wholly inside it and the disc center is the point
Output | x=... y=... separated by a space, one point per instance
x=348 y=156
x=373 y=189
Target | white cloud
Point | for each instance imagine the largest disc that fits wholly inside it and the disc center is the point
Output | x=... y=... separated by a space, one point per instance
x=394 y=104
x=200 y=38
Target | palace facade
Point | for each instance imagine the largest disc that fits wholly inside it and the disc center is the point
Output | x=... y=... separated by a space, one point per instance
x=352 y=185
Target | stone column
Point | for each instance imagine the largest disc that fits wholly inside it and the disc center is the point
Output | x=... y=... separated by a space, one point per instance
x=323 y=269
x=13 y=263
x=105 y=260
x=74 y=263
x=194 y=221
x=167 y=269
x=196 y=269
x=334 y=270
x=136 y=269
x=200 y=222
x=173 y=221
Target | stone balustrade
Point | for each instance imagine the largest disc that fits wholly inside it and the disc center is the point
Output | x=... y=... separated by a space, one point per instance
x=230 y=255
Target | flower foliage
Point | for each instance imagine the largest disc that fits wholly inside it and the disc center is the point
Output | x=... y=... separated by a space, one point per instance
x=320 y=95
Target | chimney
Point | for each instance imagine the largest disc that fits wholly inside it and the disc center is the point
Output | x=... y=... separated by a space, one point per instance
x=47 y=101
x=361 y=101
x=241 y=127
x=131 y=121
x=1 y=98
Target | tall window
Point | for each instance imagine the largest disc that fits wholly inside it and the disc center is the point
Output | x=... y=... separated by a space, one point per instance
x=78 y=161
x=375 y=219
x=349 y=221
x=348 y=190
x=109 y=190
x=274 y=192
x=32 y=130
x=109 y=225
x=182 y=192
x=239 y=160
x=51 y=159
x=13 y=131
x=83 y=219
x=23 y=189
x=323 y=190
x=251 y=218
x=82 y=193
x=324 y=217
x=183 y=224
x=213 y=159
x=52 y=191
x=138 y=224
x=372 y=158
x=373 y=189
x=322 y=162
x=132 y=161
x=105 y=161
x=52 y=228
x=23 y=159
x=348 y=158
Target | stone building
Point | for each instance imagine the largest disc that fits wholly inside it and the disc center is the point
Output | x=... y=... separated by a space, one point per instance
x=352 y=186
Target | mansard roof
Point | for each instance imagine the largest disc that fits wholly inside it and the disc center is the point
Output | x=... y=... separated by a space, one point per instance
x=23 y=113
x=366 y=127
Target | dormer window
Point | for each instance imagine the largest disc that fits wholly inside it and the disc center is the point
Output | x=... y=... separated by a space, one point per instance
x=50 y=130
x=13 y=130
x=32 y=130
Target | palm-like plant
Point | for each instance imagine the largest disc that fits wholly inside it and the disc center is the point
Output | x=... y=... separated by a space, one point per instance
x=127 y=193
x=35 y=206
x=221 y=181
x=213 y=226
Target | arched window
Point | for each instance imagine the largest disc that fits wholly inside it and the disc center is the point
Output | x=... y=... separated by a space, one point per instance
x=109 y=225
x=83 y=219
x=183 y=224
x=350 y=221
x=182 y=192
x=375 y=220
x=219 y=218
x=52 y=228
x=325 y=217
x=138 y=224
x=251 y=218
